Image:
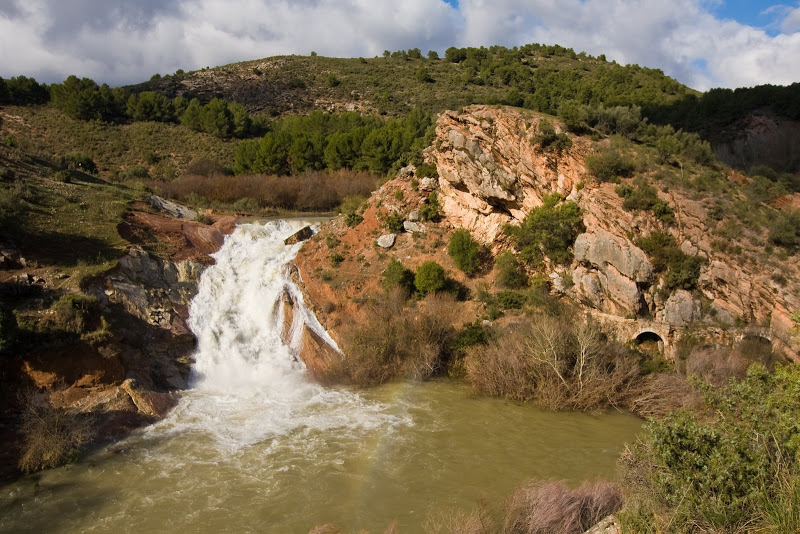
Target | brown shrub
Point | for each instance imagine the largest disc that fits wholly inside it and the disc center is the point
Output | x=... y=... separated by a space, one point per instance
x=662 y=393
x=556 y=363
x=51 y=436
x=550 y=507
x=313 y=191
x=478 y=521
x=717 y=365
x=396 y=340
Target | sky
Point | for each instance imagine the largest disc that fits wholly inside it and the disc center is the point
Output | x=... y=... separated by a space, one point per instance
x=702 y=43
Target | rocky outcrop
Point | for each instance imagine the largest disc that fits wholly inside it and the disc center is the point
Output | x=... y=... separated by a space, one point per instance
x=154 y=290
x=492 y=173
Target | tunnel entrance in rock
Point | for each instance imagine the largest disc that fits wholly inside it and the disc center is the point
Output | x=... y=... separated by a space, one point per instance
x=648 y=337
x=649 y=342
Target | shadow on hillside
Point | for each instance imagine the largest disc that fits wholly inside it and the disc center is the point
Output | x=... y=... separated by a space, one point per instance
x=56 y=248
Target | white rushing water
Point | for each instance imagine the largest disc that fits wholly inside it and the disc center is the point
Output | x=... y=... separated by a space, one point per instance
x=248 y=385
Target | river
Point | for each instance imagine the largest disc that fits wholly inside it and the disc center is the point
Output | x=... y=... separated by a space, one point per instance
x=254 y=446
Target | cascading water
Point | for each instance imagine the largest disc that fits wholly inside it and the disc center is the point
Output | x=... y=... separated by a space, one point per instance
x=248 y=386
x=256 y=447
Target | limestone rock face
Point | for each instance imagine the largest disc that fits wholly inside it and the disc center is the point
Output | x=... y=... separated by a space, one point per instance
x=602 y=248
x=492 y=174
x=155 y=290
x=681 y=309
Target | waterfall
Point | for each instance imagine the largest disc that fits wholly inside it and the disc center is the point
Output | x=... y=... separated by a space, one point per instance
x=236 y=313
x=247 y=384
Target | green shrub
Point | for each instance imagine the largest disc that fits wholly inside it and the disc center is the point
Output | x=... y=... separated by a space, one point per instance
x=397 y=276
x=510 y=272
x=470 y=335
x=351 y=204
x=550 y=141
x=353 y=219
x=511 y=300
x=429 y=278
x=610 y=164
x=76 y=161
x=394 y=223
x=63 y=177
x=644 y=197
x=6 y=174
x=75 y=313
x=785 y=230
x=549 y=230
x=724 y=470
x=429 y=211
x=336 y=259
x=465 y=251
x=246 y=205
x=427 y=170
x=134 y=172
x=681 y=270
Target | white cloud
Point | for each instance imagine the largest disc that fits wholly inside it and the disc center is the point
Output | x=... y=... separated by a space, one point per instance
x=791 y=22
x=120 y=41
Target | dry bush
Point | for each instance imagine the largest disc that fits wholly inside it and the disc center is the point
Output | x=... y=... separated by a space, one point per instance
x=556 y=363
x=717 y=365
x=396 y=340
x=313 y=191
x=478 y=521
x=662 y=393
x=51 y=436
x=498 y=370
x=550 y=507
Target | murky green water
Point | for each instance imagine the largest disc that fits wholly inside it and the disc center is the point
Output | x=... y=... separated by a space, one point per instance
x=422 y=448
x=256 y=447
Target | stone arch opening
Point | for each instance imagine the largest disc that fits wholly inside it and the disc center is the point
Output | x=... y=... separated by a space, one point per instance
x=649 y=342
x=648 y=337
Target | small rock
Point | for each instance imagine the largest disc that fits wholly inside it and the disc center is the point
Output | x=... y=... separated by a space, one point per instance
x=407 y=171
x=301 y=235
x=413 y=216
x=387 y=240
x=428 y=184
x=412 y=227
x=558 y=282
x=171 y=208
x=62 y=276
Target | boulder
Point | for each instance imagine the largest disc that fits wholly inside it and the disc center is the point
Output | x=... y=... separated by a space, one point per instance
x=412 y=227
x=413 y=216
x=681 y=309
x=601 y=248
x=301 y=235
x=428 y=184
x=171 y=208
x=407 y=171
x=387 y=240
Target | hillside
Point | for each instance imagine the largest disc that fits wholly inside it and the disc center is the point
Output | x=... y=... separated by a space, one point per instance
x=538 y=76
x=661 y=248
